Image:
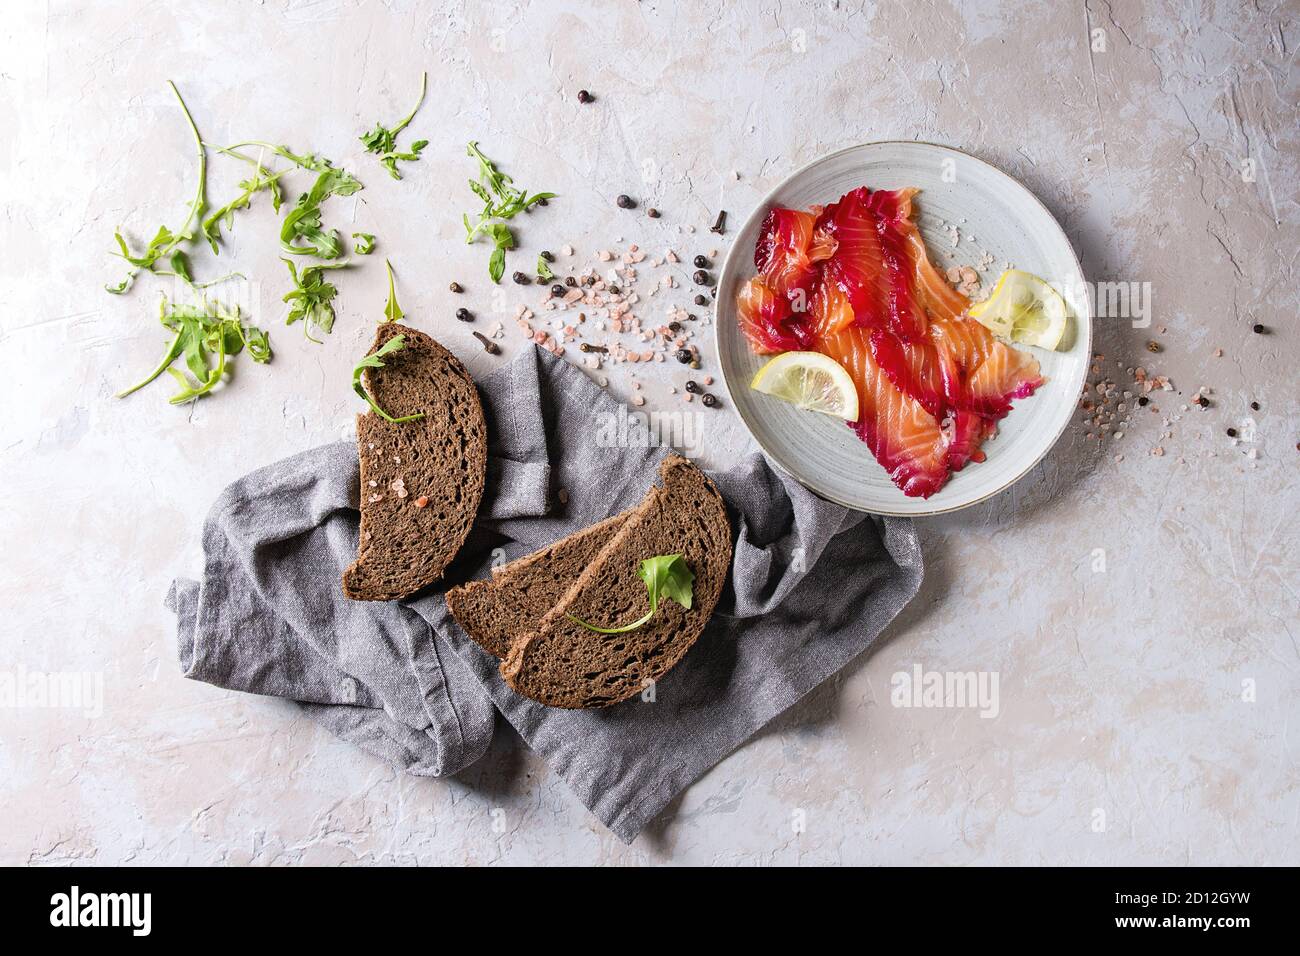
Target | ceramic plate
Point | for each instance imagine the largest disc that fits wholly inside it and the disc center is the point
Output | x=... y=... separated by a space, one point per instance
x=995 y=214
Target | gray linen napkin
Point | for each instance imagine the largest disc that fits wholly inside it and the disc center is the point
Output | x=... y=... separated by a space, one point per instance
x=812 y=585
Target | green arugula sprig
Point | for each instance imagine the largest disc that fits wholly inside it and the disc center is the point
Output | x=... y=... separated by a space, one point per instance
x=383 y=141
x=200 y=331
x=166 y=243
x=666 y=575
x=225 y=216
x=392 y=311
x=544 y=269
x=365 y=243
x=375 y=360
x=501 y=201
x=302 y=233
x=312 y=298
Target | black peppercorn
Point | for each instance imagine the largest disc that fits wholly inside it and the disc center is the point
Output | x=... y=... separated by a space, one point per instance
x=708 y=400
x=570 y=281
x=1254 y=406
x=613 y=290
x=693 y=387
x=626 y=202
x=684 y=356
x=557 y=290
x=1258 y=329
x=652 y=212
x=701 y=300
x=455 y=287
x=674 y=326
x=521 y=279
x=701 y=262
x=464 y=315
x=548 y=256
x=584 y=96
x=701 y=277
x=1143 y=400
x=691 y=317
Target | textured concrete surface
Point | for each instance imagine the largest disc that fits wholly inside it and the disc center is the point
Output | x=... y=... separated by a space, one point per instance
x=1139 y=614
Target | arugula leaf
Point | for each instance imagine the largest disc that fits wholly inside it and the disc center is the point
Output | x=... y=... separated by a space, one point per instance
x=375 y=360
x=501 y=200
x=312 y=298
x=302 y=224
x=502 y=239
x=667 y=576
x=365 y=243
x=198 y=331
x=166 y=243
x=392 y=311
x=225 y=216
x=544 y=269
x=383 y=141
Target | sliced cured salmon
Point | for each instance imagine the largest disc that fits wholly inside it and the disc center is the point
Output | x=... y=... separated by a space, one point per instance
x=906 y=439
x=853 y=281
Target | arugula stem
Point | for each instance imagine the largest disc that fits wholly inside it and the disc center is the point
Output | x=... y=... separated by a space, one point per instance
x=640 y=622
x=201 y=285
x=299 y=161
x=424 y=86
x=200 y=197
x=171 y=355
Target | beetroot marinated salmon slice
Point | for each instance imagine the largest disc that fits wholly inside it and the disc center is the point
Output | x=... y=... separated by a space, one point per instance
x=903 y=437
x=871 y=262
x=768 y=321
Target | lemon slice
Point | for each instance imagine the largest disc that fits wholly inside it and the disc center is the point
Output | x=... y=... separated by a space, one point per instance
x=1023 y=308
x=811 y=381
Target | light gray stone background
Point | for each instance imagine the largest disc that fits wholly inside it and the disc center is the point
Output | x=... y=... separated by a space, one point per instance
x=1140 y=614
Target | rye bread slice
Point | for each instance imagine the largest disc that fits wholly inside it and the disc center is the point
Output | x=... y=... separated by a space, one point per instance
x=563 y=664
x=442 y=457
x=515 y=599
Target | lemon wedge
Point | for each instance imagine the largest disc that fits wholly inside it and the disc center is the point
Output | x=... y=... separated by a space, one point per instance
x=1025 y=309
x=811 y=381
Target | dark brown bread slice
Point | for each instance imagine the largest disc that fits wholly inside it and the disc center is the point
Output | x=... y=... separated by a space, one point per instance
x=515 y=599
x=563 y=664
x=440 y=459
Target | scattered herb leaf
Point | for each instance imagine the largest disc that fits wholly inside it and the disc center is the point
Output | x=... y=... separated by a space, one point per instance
x=199 y=331
x=383 y=141
x=225 y=216
x=375 y=360
x=302 y=224
x=501 y=200
x=544 y=269
x=312 y=298
x=502 y=239
x=392 y=311
x=165 y=244
x=666 y=576
x=365 y=243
